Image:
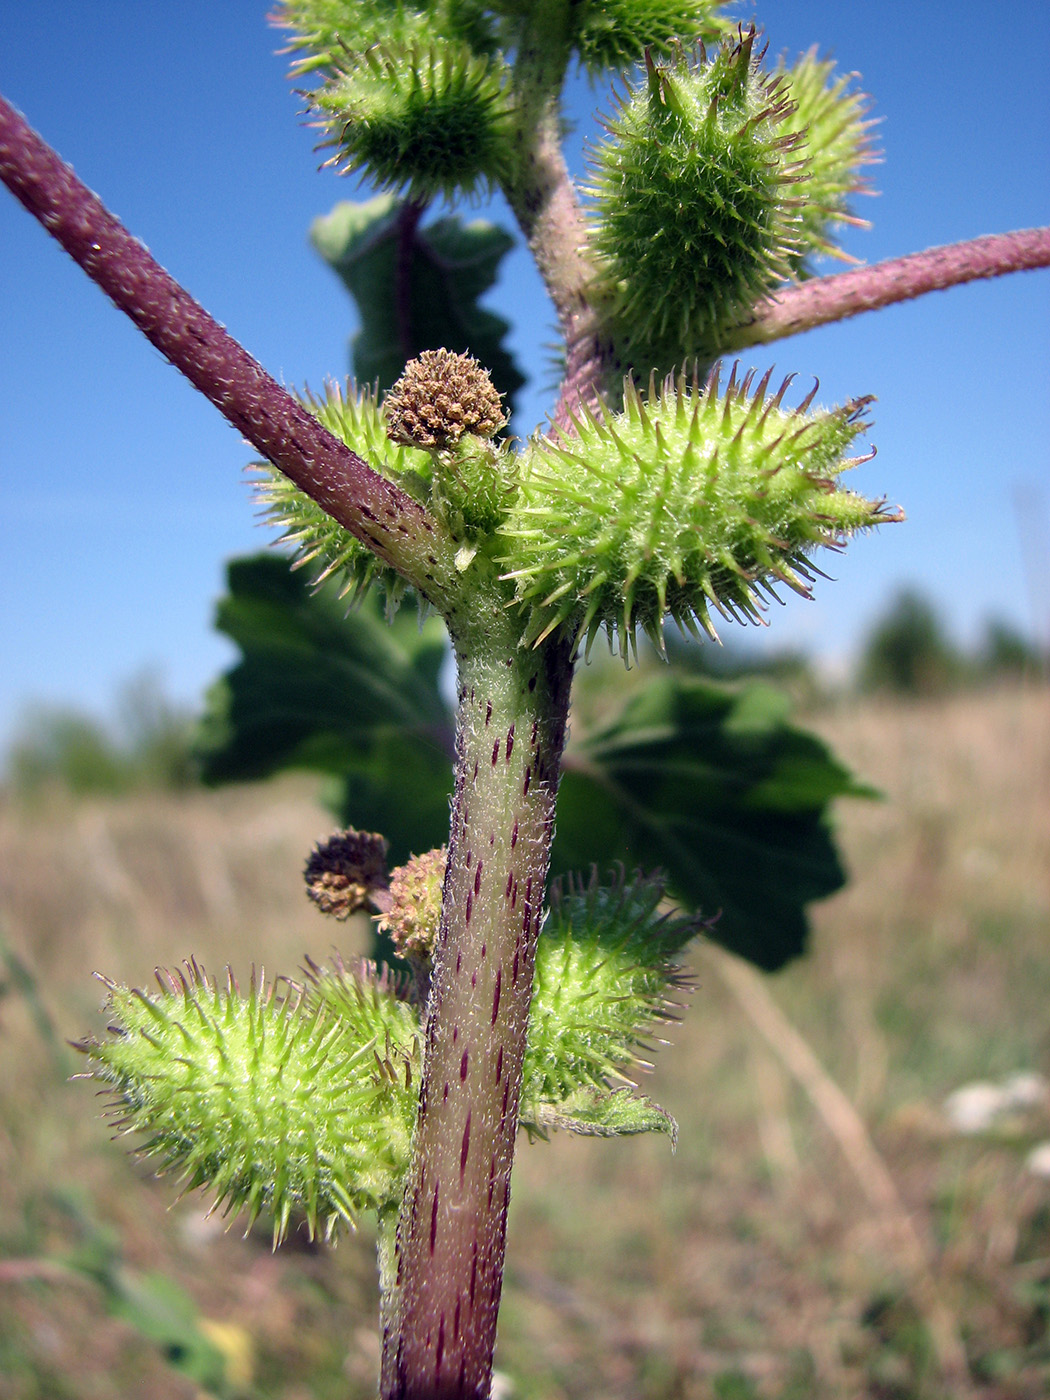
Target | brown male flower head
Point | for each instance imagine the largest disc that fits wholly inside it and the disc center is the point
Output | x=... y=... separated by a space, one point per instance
x=347 y=873
x=441 y=396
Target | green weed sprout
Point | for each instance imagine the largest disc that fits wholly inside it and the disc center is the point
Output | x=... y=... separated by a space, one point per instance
x=655 y=495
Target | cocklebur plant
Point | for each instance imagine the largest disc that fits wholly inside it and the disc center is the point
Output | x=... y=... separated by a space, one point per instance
x=656 y=495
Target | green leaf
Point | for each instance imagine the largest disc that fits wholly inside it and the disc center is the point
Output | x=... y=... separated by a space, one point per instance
x=715 y=786
x=600 y=1113
x=346 y=694
x=718 y=789
x=449 y=265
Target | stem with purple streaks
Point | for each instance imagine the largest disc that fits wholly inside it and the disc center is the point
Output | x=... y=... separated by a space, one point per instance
x=440 y=1320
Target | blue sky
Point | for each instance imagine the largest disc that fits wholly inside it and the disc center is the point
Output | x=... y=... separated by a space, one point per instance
x=122 y=491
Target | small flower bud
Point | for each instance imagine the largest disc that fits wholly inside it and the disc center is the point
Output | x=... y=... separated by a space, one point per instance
x=346 y=872
x=441 y=396
x=415 y=905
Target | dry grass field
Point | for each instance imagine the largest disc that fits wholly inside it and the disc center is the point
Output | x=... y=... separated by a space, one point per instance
x=823 y=1230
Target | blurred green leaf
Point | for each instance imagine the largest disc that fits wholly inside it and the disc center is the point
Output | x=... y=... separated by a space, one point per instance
x=19 y=978
x=713 y=785
x=347 y=694
x=720 y=791
x=166 y=1315
x=417 y=288
x=154 y=1304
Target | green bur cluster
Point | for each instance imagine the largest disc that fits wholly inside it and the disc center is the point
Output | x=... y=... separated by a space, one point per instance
x=322 y=31
x=693 y=500
x=275 y=1102
x=421 y=97
x=714 y=185
x=414 y=95
x=302 y=1104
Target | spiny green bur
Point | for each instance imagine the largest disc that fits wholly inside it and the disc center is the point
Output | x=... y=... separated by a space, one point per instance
x=273 y=1102
x=616 y=33
x=302 y=1105
x=604 y=977
x=693 y=219
x=683 y=504
x=689 y=501
x=430 y=120
x=356 y=419
x=829 y=119
x=321 y=31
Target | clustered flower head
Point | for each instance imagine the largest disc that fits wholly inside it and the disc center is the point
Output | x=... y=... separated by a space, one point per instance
x=440 y=397
x=346 y=872
x=415 y=905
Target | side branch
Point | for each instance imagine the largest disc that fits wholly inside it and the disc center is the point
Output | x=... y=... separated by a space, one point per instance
x=373 y=509
x=543 y=198
x=826 y=299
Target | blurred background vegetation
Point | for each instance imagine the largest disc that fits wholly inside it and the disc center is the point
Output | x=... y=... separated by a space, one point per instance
x=146 y=745
x=150 y=743
x=798 y=1245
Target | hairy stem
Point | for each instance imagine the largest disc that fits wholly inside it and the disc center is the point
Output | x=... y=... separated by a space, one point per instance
x=845 y=294
x=543 y=198
x=441 y=1321
x=365 y=503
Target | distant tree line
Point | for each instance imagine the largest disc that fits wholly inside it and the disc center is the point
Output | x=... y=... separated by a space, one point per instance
x=909 y=651
x=147 y=745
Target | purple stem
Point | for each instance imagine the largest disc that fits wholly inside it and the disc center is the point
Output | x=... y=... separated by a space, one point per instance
x=826 y=299
x=373 y=509
x=440 y=1326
